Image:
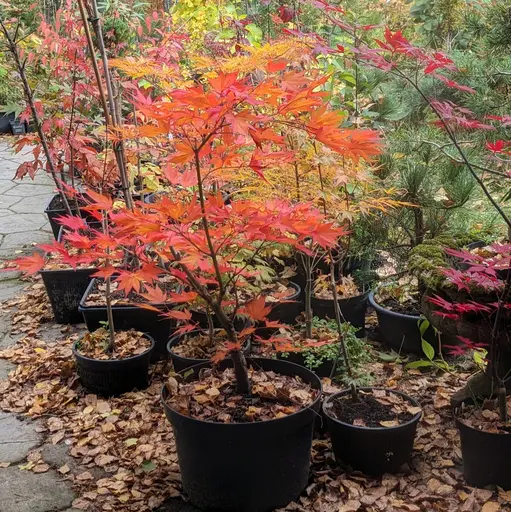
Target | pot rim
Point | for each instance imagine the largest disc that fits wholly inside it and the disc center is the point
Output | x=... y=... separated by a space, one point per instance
x=77 y=354
x=362 y=295
x=381 y=309
x=164 y=392
x=414 y=419
x=82 y=306
x=459 y=422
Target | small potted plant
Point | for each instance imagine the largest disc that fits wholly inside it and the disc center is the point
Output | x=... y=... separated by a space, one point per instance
x=352 y=302
x=372 y=429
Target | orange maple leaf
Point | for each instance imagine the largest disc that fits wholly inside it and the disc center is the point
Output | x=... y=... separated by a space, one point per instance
x=256 y=309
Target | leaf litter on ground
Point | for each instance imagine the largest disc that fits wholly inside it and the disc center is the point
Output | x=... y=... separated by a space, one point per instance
x=144 y=470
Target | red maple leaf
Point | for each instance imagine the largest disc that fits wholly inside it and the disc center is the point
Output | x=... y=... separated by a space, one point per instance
x=30 y=264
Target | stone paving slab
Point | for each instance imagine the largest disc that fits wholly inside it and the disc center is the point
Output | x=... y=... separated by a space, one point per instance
x=24 y=491
x=22 y=202
x=17 y=438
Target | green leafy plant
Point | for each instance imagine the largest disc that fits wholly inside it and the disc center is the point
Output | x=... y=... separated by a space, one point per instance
x=430 y=361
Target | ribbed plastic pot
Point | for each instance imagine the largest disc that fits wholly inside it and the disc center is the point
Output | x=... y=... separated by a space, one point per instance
x=486 y=456
x=323 y=370
x=353 y=310
x=53 y=213
x=65 y=288
x=183 y=363
x=116 y=376
x=131 y=317
x=246 y=467
x=401 y=332
x=373 y=451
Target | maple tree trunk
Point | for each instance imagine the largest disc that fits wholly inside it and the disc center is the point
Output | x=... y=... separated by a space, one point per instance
x=108 y=299
x=337 y=310
x=307 y=265
x=111 y=111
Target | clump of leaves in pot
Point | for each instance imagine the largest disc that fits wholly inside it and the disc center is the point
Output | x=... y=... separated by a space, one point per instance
x=400 y=295
x=95 y=345
x=345 y=287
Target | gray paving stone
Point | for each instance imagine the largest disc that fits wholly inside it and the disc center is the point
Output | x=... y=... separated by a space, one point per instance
x=30 y=189
x=19 y=223
x=6 y=185
x=9 y=275
x=17 y=438
x=21 y=241
x=8 y=201
x=5 y=368
x=24 y=491
x=8 y=340
x=9 y=289
x=33 y=205
x=56 y=455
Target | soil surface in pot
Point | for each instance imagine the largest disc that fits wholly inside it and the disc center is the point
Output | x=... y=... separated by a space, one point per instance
x=485 y=417
x=375 y=408
x=97 y=295
x=199 y=345
x=127 y=344
x=214 y=396
x=408 y=307
x=346 y=288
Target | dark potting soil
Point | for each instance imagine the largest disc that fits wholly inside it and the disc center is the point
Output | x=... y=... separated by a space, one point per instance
x=367 y=411
x=57 y=204
x=406 y=308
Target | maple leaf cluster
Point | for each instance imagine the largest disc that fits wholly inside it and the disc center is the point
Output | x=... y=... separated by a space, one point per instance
x=484 y=283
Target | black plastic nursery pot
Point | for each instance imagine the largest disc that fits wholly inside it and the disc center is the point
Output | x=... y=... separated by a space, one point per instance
x=52 y=211
x=486 y=456
x=323 y=370
x=127 y=317
x=401 y=332
x=116 y=376
x=246 y=467
x=373 y=451
x=5 y=120
x=65 y=288
x=353 y=310
x=183 y=363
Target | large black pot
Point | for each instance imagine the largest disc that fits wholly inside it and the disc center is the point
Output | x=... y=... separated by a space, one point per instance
x=116 y=376
x=353 y=310
x=401 y=332
x=53 y=212
x=127 y=317
x=486 y=456
x=246 y=467
x=5 y=120
x=65 y=288
x=182 y=363
x=373 y=451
